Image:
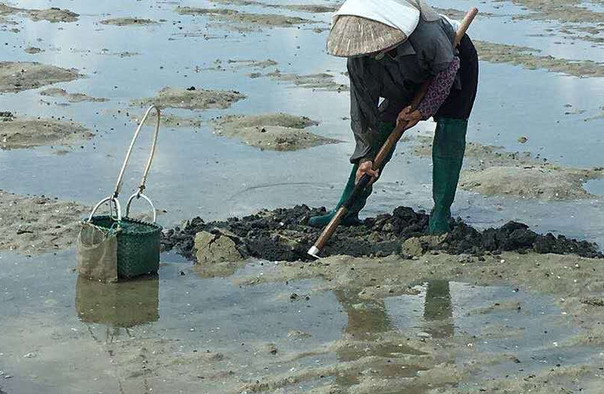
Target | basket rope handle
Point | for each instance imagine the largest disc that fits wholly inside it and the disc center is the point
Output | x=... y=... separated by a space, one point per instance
x=141 y=188
x=111 y=200
x=137 y=196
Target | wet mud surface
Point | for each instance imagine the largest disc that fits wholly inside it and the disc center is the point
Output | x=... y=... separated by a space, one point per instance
x=561 y=10
x=282 y=235
x=281 y=132
x=53 y=14
x=529 y=58
x=311 y=8
x=19 y=76
x=192 y=98
x=253 y=21
x=71 y=97
x=491 y=171
x=24 y=132
x=321 y=81
x=128 y=22
x=36 y=225
x=171 y=121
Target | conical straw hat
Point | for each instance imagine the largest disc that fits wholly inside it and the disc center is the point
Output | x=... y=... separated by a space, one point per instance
x=352 y=36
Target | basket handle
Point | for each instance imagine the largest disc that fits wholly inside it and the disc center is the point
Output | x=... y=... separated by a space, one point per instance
x=138 y=195
x=141 y=188
x=110 y=200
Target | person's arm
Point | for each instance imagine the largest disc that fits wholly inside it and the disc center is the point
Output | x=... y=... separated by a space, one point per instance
x=437 y=59
x=439 y=90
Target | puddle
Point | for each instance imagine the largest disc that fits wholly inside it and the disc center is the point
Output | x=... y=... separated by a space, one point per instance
x=589 y=5
x=595 y=186
x=53 y=315
x=496 y=320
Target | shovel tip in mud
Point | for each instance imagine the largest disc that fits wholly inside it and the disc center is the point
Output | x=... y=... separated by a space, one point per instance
x=314 y=252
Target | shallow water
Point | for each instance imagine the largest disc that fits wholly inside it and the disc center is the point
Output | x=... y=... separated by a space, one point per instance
x=48 y=310
x=595 y=186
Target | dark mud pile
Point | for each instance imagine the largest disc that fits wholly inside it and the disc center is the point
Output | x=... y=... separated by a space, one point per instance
x=283 y=235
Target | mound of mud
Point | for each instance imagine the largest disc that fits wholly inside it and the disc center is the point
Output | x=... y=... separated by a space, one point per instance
x=128 y=22
x=18 y=133
x=233 y=16
x=283 y=235
x=18 y=76
x=280 y=132
x=192 y=98
x=53 y=14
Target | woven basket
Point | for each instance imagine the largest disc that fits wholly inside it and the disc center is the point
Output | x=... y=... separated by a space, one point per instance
x=138 y=245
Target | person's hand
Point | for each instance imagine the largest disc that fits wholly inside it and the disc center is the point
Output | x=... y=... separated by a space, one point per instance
x=366 y=167
x=409 y=116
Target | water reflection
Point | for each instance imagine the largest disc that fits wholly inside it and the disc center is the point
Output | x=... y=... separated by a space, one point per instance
x=119 y=305
x=367 y=319
x=438 y=310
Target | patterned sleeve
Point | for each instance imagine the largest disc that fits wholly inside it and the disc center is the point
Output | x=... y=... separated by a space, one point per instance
x=439 y=89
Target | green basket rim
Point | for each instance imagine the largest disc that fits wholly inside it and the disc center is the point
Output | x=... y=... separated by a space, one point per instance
x=154 y=227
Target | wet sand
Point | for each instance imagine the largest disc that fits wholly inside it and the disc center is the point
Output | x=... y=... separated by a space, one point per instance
x=527 y=58
x=128 y=22
x=53 y=15
x=37 y=225
x=253 y=20
x=491 y=171
x=192 y=98
x=19 y=76
x=322 y=81
x=280 y=132
x=18 y=132
x=71 y=97
x=561 y=10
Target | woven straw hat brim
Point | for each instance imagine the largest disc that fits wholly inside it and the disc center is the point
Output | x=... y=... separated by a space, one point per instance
x=353 y=36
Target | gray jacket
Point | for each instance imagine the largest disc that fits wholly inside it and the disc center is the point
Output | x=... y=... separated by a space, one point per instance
x=396 y=77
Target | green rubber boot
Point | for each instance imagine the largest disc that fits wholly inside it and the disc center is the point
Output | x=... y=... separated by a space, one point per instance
x=447 y=158
x=352 y=217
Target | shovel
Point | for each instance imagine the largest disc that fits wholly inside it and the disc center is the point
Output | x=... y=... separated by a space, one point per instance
x=383 y=153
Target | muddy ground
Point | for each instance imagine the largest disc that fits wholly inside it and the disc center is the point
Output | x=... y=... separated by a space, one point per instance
x=490 y=171
x=128 y=22
x=281 y=132
x=321 y=81
x=17 y=132
x=192 y=98
x=312 y=8
x=254 y=21
x=71 y=97
x=171 y=121
x=576 y=284
x=19 y=76
x=283 y=235
x=54 y=15
x=529 y=58
x=36 y=225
